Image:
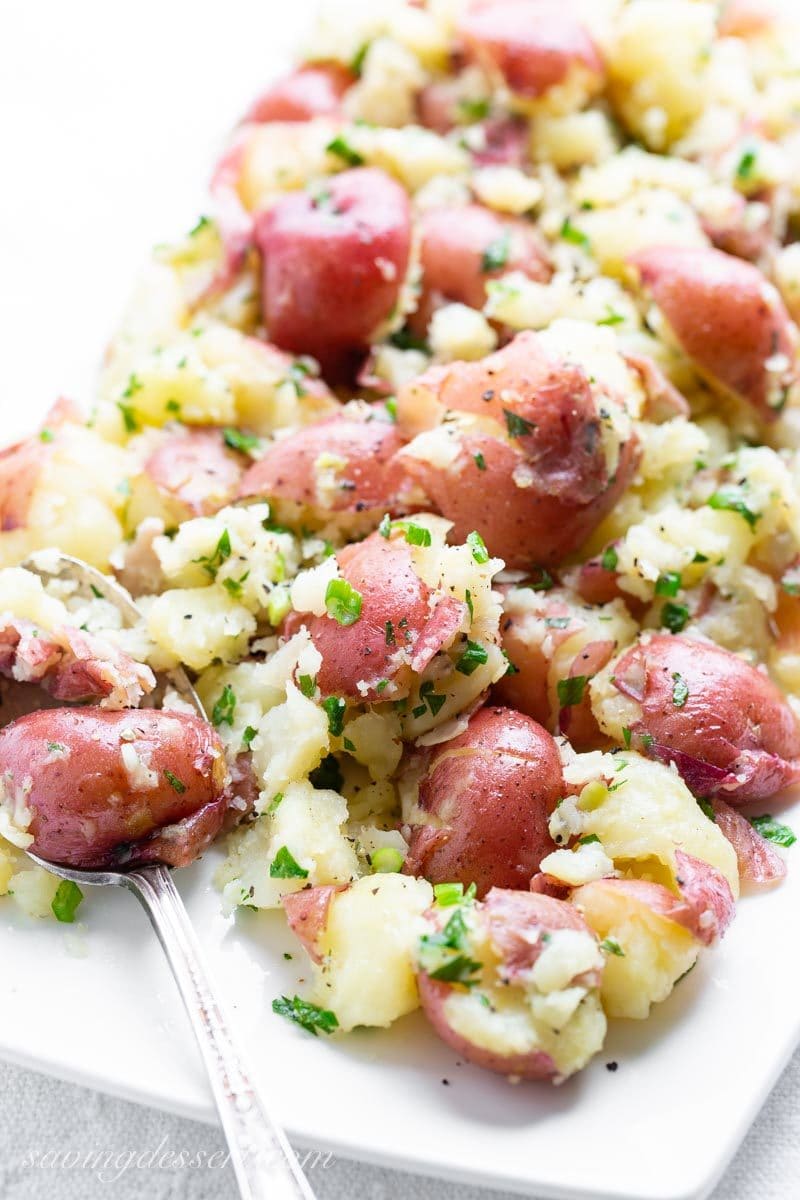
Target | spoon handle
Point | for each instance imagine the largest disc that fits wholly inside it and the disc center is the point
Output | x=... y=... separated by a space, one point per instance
x=263 y=1160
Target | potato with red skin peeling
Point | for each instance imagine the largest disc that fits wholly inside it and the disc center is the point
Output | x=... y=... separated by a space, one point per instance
x=393 y=594
x=357 y=447
x=484 y=801
x=727 y=318
x=536 y=481
x=726 y=726
x=105 y=788
x=535 y=45
x=458 y=246
x=334 y=263
x=511 y=984
x=315 y=90
x=196 y=469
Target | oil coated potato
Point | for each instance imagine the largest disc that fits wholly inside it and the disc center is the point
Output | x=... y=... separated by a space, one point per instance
x=726 y=726
x=727 y=318
x=511 y=984
x=484 y=802
x=538 y=463
x=334 y=262
x=90 y=788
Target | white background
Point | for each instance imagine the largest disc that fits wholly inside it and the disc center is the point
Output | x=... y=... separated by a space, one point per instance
x=109 y=118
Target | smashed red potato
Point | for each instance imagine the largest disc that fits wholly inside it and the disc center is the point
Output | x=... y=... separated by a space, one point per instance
x=113 y=789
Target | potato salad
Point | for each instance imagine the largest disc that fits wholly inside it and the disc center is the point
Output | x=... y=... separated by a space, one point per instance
x=454 y=453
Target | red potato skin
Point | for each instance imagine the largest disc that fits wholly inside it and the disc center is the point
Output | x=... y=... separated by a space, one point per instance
x=566 y=489
x=315 y=90
x=197 y=469
x=454 y=242
x=735 y=736
x=533 y=44
x=489 y=793
x=514 y=919
x=727 y=318
x=333 y=270
x=85 y=811
x=758 y=861
x=307 y=915
x=382 y=571
x=372 y=478
x=21 y=465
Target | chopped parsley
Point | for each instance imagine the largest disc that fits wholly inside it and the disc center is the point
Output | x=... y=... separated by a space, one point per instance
x=611 y=318
x=416 y=535
x=343 y=602
x=626 y=737
x=473 y=110
x=389 y=634
x=470 y=606
x=474 y=656
x=478 y=547
x=731 y=497
x=745 y=165
x=570 y=690
x=335 y=707
x=571 y=233
x=674 y=616
x=588 y=840
x=612 y=946
x=274 y=803
x=306 y=684
x=516 y=425
x=46 y=435
x=429 y=697
x=310 y=1017
x=404 y=339
x=773 y=831
x=480 y=461
x=56 y=747
x=343 y=150
x=225 y=707
x=235 y=587
x=495 y=256
x=609 y=559
x=98 y=595
x=680 y=690
x=248 y=735
x=245 y=443
x=285 y=866
x=444 y=956
x=176 y=784
x=66 y=900
x=129 y=417
x=211 y=563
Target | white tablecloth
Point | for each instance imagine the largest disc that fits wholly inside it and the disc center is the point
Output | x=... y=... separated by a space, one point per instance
x=51 y=1124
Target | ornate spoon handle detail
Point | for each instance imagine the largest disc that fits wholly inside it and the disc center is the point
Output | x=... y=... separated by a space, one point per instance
x=265 y=1165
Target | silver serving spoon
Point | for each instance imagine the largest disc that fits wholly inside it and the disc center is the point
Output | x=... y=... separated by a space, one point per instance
x=263 y=1160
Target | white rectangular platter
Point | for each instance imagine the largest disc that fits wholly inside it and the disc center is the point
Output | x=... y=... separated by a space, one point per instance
x=111 y=138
